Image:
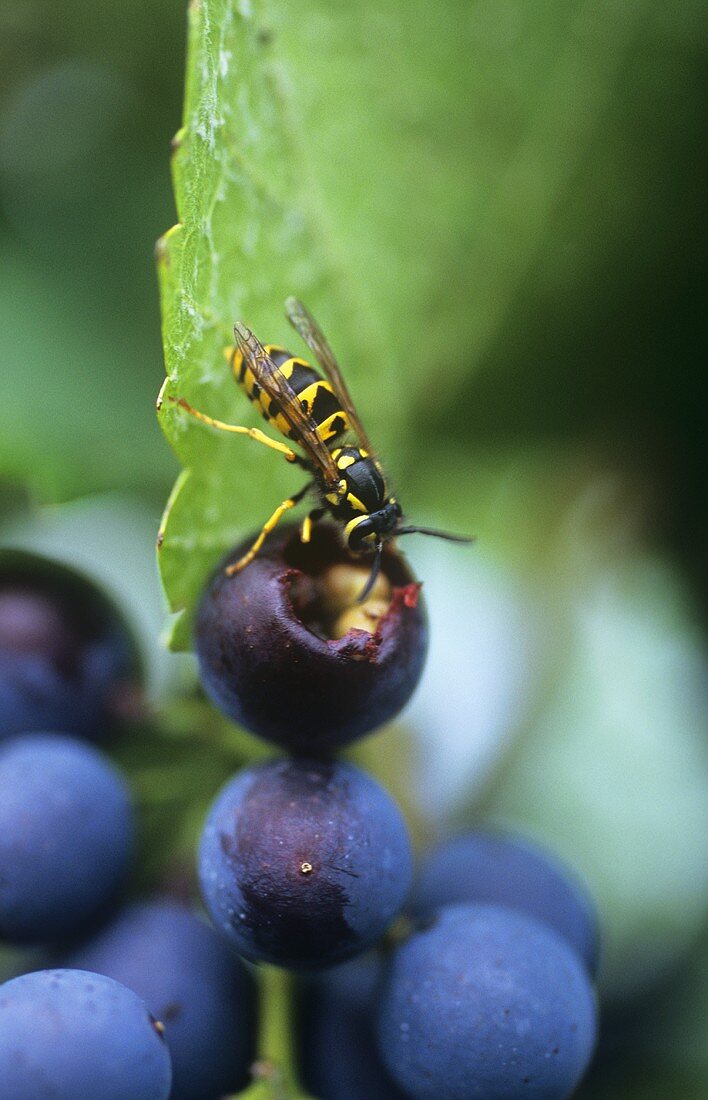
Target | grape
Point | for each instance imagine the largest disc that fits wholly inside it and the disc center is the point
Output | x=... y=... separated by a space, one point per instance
x=509 y=870
x=67 y=660
x=70 y=1035
x=191 y=982
x=304 y=863
x=339 y=1056
x=273 y=655
x=484 y=1001
x=66 y=836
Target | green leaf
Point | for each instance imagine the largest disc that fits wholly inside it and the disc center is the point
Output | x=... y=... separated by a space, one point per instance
x=176 y=764
x=74 y=384
x=14 y=502
x=288 y=175
x=397 y=166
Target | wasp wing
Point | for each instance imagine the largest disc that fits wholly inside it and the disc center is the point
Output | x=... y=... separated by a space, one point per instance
x=305 y=324
x=273 y=382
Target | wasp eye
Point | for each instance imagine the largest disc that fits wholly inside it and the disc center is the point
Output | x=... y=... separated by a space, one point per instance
x=362 y=535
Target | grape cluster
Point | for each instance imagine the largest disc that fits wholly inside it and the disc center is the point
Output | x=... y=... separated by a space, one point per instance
x=473 y=981
x=305 y=861
x=489 y=994
x=146 y=1002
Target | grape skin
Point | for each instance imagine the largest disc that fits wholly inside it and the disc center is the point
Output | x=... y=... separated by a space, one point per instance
x=190 y=981
x=338 y=1051
x=66 y=836
x=70 y=1035
x=304 y=863
x=66 y=656
x=501 y=869
x=486 y=1002
x=263 y=662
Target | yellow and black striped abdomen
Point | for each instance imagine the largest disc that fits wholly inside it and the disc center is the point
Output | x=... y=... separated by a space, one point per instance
x=314 y=392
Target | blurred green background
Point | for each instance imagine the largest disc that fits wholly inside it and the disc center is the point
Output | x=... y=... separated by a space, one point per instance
x=551 y=398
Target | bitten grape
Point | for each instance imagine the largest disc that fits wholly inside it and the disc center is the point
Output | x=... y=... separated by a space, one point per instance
x=67 y=660
x=273 y=655
x=501 y=869
x=70 y=1035
x=486 y=1001
x=66 y=836
x=191 y=982
x=304 y=863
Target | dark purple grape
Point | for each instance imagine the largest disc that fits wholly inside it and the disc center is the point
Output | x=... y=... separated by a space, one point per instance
x=66 y=836
x=304 y=863
x=485 y=866
x=67 y=660
x=338 y=1053
x=486 y=1001
x=70 y=1035
x=192 y=983
x=271 y=651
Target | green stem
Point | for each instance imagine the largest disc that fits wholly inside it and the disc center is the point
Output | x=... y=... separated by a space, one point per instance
x=274 y=1073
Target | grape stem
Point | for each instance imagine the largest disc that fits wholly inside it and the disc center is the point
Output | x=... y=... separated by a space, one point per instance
x=274 y=1072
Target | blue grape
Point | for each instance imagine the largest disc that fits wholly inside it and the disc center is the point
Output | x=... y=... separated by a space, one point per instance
x=304 y=863
x=66 y=836
x=67 y=659
x=70 y=1035
x=339 y=1057
x=487 y=1002
x=267 y=658
x=191 y=982
x=486 y=866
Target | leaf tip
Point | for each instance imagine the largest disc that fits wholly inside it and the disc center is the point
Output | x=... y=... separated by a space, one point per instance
x=177 y=140
x=161 y=395
x=162 y=245
x=161 y=254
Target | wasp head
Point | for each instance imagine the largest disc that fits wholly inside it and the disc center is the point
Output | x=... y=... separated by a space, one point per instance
x=368 y=533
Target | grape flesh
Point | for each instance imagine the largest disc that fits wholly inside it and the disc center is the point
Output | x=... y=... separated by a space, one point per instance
x=191 y=982
x=66 y=836
x=486 y=1002
x=502 y=869
x=304 y=863
x=70 y=1035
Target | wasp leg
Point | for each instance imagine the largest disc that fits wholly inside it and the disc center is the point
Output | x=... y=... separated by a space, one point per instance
x=265 y=530
x=238 y=429
x=312 y=517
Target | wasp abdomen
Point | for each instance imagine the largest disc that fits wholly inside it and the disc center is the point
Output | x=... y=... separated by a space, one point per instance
x=314 y=392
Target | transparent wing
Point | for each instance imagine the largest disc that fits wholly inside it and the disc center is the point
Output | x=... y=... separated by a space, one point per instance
x=272 y=382
x=305 y=324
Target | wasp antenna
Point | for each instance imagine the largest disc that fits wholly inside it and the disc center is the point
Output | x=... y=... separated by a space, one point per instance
x=375 y=569
x=432 y=531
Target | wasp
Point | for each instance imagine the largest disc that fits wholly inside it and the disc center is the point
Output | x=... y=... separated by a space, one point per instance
x=318 y=415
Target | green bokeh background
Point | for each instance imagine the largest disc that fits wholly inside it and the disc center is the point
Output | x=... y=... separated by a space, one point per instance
x=536 y=235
